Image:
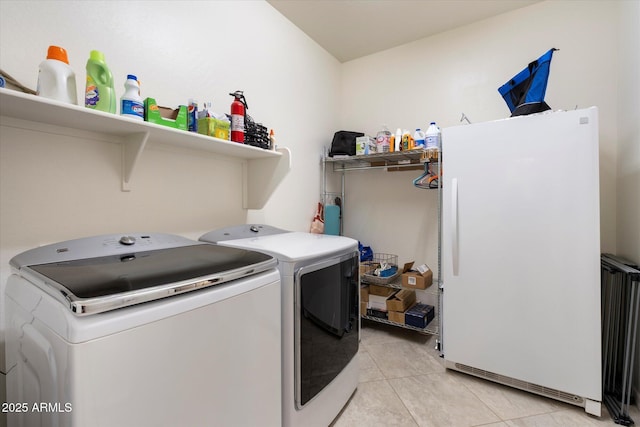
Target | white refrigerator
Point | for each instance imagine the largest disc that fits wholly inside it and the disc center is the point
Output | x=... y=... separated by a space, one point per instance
x=521 y=254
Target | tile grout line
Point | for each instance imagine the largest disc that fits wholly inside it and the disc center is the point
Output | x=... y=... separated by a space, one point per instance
x=394 y=390
x=481 y=401
x=386 y=378
x=402 y=401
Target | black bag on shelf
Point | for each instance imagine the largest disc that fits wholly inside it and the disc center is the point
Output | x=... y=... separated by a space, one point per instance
x=344 y=143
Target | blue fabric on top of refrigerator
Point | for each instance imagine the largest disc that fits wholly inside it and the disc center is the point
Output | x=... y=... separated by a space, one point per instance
x=524 y=93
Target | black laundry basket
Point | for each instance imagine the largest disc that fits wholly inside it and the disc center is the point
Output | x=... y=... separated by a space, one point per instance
x=524 y=93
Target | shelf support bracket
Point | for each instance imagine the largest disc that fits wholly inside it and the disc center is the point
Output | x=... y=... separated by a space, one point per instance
x=132 y=146
x=262 y=176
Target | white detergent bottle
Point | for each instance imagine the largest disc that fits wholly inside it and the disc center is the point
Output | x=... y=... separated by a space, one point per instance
x=432 y=138
x=56 y=79
x=131 y=103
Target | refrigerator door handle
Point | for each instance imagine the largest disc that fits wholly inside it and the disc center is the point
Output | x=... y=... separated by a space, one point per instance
x=455 y=261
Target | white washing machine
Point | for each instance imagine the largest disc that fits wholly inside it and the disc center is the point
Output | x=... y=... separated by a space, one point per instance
x=143 y=330
x=320 y=317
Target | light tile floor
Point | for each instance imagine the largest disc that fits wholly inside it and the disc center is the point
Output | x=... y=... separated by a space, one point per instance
x=403 y=382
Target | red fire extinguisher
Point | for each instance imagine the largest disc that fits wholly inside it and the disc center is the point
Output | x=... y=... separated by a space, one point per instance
x=238 y=107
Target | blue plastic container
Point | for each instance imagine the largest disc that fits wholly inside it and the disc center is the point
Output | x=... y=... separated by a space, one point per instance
x=332 y=220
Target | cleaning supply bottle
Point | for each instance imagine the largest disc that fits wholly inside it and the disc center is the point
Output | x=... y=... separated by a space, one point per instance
x=407 y=141
x=398 y=140
x=192 y=115
x=418 y=138
x=433 y=137
x=131 y=103
x=100 y=93
x=238 y=107
x=56 y=79
x=382 y=140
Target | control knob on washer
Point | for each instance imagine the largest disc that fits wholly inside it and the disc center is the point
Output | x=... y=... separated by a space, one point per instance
x=127 y=240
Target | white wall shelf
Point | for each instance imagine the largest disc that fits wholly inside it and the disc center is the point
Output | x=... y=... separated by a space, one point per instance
x=262 y=169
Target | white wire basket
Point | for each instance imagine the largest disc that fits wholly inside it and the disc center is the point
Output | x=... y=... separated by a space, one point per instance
x=368 y=269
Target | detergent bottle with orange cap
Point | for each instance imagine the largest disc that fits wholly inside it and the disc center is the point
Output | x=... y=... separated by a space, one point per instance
x=56 y=79
x=100 y=93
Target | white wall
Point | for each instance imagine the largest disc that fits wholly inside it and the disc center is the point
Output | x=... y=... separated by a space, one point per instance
x=58 y=187
x=438 y=78
x=628 y=177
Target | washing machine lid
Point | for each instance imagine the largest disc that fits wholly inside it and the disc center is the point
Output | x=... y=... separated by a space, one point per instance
x=121 y=276
x=290 y=246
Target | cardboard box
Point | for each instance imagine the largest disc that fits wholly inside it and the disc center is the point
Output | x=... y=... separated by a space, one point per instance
x=399 y=316
x=364 y=293
x=176 y=119
x=378 y=302
x=401 y=300
x=407 y=162
x=365 y=145
x=395 y=316
x=420 y=278
x=382 y=291
x=363 y=309
x=214 y=127
x=419 y=315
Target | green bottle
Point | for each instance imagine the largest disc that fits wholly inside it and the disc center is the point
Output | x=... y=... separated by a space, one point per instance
x=100 y=92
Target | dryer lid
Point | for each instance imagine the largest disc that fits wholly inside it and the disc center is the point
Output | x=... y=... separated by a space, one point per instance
x=293 y=246
x=245 y=231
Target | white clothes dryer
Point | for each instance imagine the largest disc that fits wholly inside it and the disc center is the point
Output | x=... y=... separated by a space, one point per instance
x=320 y=317
x=143 y=330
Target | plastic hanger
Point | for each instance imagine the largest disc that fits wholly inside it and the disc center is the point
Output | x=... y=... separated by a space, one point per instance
x=423 y=180
x=428 y=180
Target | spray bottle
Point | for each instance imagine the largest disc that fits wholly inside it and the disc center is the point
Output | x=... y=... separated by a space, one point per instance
x=238 y=108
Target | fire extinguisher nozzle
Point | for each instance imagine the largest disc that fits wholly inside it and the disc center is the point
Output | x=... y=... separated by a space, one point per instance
x=239 y=96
